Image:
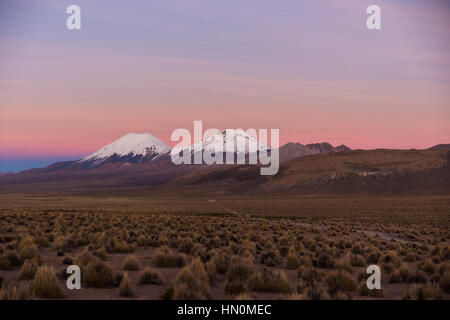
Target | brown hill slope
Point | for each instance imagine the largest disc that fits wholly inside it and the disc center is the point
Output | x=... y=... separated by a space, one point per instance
x=349 y=171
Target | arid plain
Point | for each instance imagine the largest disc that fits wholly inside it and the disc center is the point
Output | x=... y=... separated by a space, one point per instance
x=253 y=247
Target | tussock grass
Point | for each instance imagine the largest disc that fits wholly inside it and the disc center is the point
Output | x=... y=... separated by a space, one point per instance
x=131 y=264
x=150 y=276
x=45 y=284
x=126 y=288
x=165 y=258
x=192 y=283
x=270 y=281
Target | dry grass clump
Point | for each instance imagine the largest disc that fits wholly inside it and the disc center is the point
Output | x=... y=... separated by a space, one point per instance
x=45 y=284
x=60 y=243
x=292 y=260
x=428 y=266
x=28 y=270
x=428 y=291
x=340 y=281
x=366 y=292
x=28 y=249
x=97 y=274
x=391 y=257
x=131 y=264
x=165 y=258
x=126 y=288
x=372 y=255
x=271 y=258
x=325 y=260
x=84 y=258
x=309 y=275
x=118 y=246
x=243 y=296
x=211 y=270
x=150 y=276
x=358 y=260
x=401 y=275
x=269 y=281
x=221 y=261
x=192 y=283
x=311 y=293
x=240 y=268
x=8 y=292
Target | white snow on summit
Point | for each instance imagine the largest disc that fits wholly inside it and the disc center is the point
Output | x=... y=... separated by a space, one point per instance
x=132 y=144
x=234 y=141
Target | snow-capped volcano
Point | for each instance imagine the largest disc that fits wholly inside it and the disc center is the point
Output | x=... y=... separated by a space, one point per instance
x=130 y=147
x=237 y=142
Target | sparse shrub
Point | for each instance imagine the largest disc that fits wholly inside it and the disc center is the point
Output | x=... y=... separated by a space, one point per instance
x=325 y=261
x=28 y=271
x=391 y=257
x=358 y=260
x=186 y=245
x=126 y=287
x=314 y=293
x=131 y=264
x=428 y=266
x=346 y=263
x=192 y=282
x=372 y=255
x=45 y=284
x=97 y=274
x=120 y=246
x=150 y=276
x=269 y=281
x=28 y=249
x=243 y=296
x=292 y=261
x=271 y=258
x=221 y=261
x=101 y=253
x=211 y=270
x=60 y=243
x=309 y=275
x=366 y=292
x=84 y=258
x=8 y=292
x=340 y=281
x=403 y=272
x=418 y=277
x=235 y=287
x=165 y=258
x=239 y=269
x=306 y=261
x=428 y=291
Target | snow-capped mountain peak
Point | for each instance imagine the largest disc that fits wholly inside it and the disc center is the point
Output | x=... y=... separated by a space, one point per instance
x=229 y=141
x=131 y=145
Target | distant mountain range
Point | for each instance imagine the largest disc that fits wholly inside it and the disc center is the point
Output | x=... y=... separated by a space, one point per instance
x=143 y=161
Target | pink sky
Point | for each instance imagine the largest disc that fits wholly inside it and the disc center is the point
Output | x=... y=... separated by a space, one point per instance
x=311 y=70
